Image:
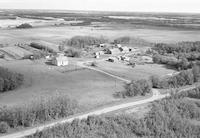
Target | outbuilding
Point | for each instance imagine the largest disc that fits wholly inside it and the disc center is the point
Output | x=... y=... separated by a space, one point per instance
x=124 y=49
x=113 y=51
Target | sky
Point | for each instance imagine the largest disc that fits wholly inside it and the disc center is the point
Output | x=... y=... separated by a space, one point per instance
x=191 y=6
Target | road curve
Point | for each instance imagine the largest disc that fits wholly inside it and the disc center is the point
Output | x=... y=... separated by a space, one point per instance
x=30 y=131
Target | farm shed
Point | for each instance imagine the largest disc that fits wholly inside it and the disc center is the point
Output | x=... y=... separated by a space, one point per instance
x=113 y=51
x=112 y=59
x=118 y=45
x=102 y=45
x=60 y=60
x=124 y=49
x=147 y=59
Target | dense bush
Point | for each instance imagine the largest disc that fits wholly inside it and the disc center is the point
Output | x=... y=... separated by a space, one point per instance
x=4 y=127
x=193 y=93
x=172 y=61
x=24 y=26
x=180 y=55
x=139 y=87
x=38 y=111
x=83 y=41
x=181 y=47
x=9 y=80
x=186 y=77
x=72 y=52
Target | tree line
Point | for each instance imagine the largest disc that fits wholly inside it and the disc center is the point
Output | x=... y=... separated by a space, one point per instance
x=83 y=41
x=185 y=77
x=181 y=55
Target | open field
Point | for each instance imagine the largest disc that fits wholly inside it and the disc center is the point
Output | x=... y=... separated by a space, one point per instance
x=58 y=34
x=138 y=72
x=88 y=87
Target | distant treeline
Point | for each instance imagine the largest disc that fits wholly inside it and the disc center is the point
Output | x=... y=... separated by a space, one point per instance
x=41 y=47
x=181 y=56
x=135 y=41
x=174 y=117
x=83 y=41
x=9 y=80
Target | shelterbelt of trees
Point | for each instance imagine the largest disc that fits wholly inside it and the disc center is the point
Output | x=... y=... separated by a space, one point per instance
x=180 y=55
x=9 y=80
x=185 y=77
x=177 y=116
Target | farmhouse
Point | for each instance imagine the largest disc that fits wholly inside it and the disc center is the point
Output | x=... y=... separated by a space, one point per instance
x=99 y=53
x=60 y=60
x=102 y=45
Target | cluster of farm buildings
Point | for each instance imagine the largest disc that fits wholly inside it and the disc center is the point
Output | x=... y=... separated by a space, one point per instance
x=113 y=53
x=124 y=53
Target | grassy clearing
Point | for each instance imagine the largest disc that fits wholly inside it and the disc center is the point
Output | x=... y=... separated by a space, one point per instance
x=90 y=88
x=138 y=72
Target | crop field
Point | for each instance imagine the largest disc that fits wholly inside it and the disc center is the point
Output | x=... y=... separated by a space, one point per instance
x=15 y=52
x=138 y=72
x=88 y=87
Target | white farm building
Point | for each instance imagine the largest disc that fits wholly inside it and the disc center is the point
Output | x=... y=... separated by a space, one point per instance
x=60 y=60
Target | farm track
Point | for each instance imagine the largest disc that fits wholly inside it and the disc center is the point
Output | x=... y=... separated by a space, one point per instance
x=30 y=131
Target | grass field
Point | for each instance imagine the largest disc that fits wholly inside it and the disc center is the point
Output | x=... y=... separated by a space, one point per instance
x=88 y=87
x=58 y=34
x=138 y=72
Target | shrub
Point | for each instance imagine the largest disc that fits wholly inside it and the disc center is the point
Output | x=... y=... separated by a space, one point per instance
x=9 y=80
x=155 y=81
x=4 y=127
x=73 y=52
x=139 y=87
x=94 y=64
x=24 y=26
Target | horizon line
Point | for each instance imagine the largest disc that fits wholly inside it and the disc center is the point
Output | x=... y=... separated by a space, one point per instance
x=169 y=12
